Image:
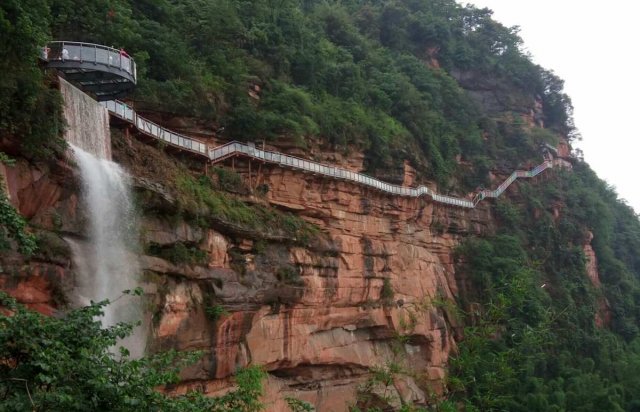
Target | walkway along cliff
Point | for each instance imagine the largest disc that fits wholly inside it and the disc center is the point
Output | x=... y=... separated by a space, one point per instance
x=217 y=154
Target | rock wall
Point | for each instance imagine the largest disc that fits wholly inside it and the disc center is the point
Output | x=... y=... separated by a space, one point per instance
x=46 y=195
x=374 y=290
x=375 y=287
x=592 y=262
x=603 y=314
x=371 y=289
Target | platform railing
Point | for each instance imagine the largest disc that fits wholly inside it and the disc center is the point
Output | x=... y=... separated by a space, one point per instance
x=126 y=112
x=90 y=53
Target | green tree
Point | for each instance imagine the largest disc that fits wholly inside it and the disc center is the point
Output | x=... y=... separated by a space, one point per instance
x=67 y=363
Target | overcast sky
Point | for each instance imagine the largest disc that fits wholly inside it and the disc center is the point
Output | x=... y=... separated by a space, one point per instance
x=594 y=47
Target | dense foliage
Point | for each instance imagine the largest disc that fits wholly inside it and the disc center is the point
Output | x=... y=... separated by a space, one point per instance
x=12 y=224
x=67 y=364
x=30 y=111
x=533 y=343
x=12 y=227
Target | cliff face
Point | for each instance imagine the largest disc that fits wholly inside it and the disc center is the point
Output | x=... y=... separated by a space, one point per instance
x=344 y=295
x=47 y=196
x=375 y=282
x=374 y=287
x=603 y=314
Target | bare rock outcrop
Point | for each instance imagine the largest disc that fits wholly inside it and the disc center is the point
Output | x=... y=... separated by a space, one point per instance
x=603 y=313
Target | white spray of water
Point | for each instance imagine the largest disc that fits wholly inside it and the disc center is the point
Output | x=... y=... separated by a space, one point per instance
x=107 y=263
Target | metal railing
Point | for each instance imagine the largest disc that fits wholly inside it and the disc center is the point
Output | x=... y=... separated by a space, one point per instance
x=237 y=148
x=126 y=112
x=90 y=53
x=215 y=154
x=547 y=164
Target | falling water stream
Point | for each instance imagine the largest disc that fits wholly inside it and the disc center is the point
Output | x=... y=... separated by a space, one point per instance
x=106 y=261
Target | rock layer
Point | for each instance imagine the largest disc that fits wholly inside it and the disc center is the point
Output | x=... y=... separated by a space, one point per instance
x=319 y=330
x=371 y=289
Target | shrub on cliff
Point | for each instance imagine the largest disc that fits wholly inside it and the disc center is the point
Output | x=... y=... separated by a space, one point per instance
x=12 y=227
x=12 y=224
x=66 y=364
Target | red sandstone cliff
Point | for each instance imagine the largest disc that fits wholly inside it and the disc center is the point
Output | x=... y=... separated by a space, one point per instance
x=316 y=316
x=319 y=333
x=603 y=315
x=319 y=337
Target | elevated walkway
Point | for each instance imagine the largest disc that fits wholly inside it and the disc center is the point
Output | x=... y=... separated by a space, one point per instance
x=125 y=112
x=232 y=149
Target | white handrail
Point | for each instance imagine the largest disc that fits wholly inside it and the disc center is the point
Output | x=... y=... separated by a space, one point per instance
x=214 y=154
x=126 y=112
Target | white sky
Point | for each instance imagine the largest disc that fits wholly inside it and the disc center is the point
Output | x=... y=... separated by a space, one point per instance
x=593 y=46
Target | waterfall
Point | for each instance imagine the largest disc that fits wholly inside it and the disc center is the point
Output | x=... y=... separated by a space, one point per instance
x=87 y=121
x=107 y=263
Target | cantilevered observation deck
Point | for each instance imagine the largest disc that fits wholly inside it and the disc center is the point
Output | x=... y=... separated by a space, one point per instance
x=103 y=71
